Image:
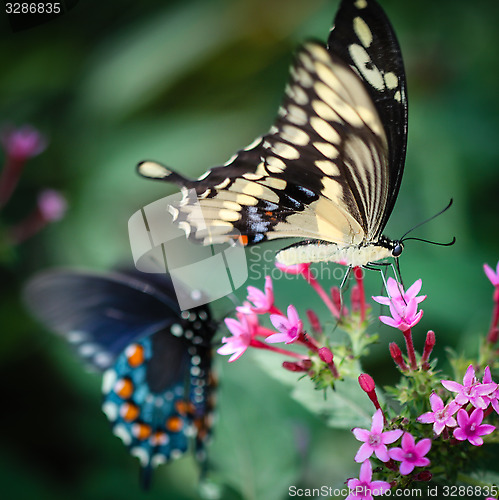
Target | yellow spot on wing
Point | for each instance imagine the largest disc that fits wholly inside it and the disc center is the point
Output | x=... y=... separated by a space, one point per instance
x=362 y=31
x=328 y=150
x=328 y=167
x=286 y=151
x=325 y=130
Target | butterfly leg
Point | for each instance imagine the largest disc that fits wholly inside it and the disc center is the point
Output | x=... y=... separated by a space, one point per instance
x=344 y=288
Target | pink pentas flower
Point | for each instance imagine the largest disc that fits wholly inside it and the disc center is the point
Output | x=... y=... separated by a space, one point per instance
x=289 y=327
x=396 y=293
x=22 y=143
x=52 y=205
x=375 y=440
x=491 y=274
x=440 y=415
x=411 y=454
x=471 y=390
x=471 y=427
x=403 y=317
x=403 y=305
x=491 y=398
x=364 y=488
x=242 y=334
x=261 y=302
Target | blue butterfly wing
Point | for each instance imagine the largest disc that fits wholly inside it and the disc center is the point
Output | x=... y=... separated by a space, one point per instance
x=158 y=385
x=100 y=314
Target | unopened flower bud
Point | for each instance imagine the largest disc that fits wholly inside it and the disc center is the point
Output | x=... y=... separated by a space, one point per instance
x=297 y=366
x=325 y=354
x=424 y=475
x=314 y=321
x=367 y=385
x=396 y=355
x=428 y=347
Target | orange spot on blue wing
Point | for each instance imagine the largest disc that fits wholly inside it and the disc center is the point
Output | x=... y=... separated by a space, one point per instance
x=129 y=412
x=174 y=424
x=124 y=388
x=135 y=355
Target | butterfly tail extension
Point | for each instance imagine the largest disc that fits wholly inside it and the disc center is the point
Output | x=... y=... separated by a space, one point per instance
x=157 y=171
x=145 y=477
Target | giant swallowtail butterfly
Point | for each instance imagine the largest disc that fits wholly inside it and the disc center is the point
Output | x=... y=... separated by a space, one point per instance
x=329 y=169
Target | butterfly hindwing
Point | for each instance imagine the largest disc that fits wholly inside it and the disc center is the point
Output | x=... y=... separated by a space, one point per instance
x=100 y=314
x=158 y=394
x=157 y=385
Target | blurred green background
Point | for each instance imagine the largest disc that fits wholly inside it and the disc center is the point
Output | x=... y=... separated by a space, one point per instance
x=188 y=83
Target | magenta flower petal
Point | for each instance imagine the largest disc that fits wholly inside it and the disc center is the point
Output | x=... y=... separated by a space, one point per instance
x=363 y=488
x=471 y=427
x=436 y=402
x=411 y=454
x=361 y=434
x=364 y=452
x=375 y=440
x=390 y=437
x=242 y=334
x=377 y=422
x=491 y=274
x=290 y=328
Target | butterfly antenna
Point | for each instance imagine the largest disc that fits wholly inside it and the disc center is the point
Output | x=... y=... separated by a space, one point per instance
x=428 y=220
x=439 y=243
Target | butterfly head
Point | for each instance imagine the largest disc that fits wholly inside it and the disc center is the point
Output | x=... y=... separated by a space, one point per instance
x=397 y=249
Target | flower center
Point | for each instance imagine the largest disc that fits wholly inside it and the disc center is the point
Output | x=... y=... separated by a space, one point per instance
x=374 y=440
x=472 y=427
x=440 y=415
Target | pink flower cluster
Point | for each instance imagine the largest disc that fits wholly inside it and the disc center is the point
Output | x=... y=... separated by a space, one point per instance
x=473 y=400
x=247 y=331
x=410 y=454
x=19 y=146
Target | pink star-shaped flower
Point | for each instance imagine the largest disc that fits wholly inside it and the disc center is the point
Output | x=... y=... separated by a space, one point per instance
x=493 y=397
x=22 y=143
x=403 y=305
x=441 y=415
x=242 y=334
x=470 y=390
x=493 y=276
x=411 y=454
x=289 y=327
x=471 y=427
x=375 y=440
x=396 y=293
x=363 y=488
x=261 y=302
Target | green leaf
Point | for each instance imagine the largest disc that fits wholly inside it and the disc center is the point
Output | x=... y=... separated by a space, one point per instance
x=344 y=407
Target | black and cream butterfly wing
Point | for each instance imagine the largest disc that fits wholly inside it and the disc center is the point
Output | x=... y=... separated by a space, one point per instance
x=100 y=314
x=375 y=54
x=322 y=172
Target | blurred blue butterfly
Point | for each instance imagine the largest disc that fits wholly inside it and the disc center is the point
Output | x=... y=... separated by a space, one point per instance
x=158 y=384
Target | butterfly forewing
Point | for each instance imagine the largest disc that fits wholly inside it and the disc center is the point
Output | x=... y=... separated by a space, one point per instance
x=364 y=38
x=330 y=167
x=312 y=174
